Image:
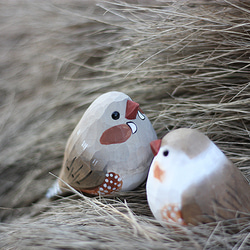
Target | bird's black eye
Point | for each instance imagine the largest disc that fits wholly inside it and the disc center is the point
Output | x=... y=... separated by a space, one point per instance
x=115 y=115
x=165 y=153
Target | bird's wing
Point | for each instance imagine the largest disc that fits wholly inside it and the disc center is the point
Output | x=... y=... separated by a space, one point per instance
x=223 y=195
x=78 y=173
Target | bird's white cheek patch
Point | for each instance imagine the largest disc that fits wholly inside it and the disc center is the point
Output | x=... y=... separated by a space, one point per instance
x=158 y=173
x=141 y=115
x=132 y=126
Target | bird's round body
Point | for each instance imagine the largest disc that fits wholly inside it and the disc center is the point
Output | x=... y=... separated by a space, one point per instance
x=109 y=150
x=191 y=181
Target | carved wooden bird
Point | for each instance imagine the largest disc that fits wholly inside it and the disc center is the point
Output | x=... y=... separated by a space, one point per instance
x=109 y=150
x=192 y=181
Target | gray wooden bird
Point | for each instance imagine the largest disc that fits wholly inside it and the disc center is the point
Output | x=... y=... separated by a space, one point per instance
x=109 y=150
x=192 y=181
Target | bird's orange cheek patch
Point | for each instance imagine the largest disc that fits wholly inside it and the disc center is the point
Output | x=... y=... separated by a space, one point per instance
x=158 y=173
x=116 y=134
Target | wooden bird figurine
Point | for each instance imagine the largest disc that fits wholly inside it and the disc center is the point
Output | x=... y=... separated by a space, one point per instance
x=109 y=150
x=191 y=181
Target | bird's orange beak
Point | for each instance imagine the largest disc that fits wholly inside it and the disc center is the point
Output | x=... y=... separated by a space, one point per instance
x=155 y=146
x=131 y=110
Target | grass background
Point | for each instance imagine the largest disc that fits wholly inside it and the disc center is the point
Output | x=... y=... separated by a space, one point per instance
x=185 y=62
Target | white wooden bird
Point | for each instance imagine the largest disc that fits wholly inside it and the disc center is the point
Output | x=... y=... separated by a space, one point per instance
x=109 y=150
x=191 y=181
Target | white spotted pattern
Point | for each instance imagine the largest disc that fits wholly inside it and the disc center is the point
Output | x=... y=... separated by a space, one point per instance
x=112 y=182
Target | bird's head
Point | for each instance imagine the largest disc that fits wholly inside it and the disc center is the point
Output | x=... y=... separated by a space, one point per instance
x=184 y=152
x=121 y=118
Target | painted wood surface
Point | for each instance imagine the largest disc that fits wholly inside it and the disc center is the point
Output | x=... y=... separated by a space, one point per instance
x=192 y=181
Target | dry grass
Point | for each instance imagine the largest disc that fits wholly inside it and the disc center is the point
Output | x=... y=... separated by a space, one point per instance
x=186 y=63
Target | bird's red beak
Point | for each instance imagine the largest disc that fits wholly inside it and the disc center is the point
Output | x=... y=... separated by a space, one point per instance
x=155 y=146
x=131 y=110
